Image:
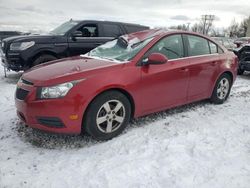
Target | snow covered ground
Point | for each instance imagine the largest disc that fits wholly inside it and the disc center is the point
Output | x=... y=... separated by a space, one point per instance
x=197 y=145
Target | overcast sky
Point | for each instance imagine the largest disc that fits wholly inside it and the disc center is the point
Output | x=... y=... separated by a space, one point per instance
x=46 y=14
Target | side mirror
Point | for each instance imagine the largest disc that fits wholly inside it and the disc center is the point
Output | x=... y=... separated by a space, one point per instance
x=76 y=34
x=156 y=59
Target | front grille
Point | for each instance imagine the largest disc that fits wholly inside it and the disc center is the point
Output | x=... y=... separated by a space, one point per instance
x=4 y=46
x=21 y=94
x=27 y=82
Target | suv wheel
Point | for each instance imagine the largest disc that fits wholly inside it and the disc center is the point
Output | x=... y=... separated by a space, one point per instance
x=222 y=89
x=107 y=116
x=43 y=59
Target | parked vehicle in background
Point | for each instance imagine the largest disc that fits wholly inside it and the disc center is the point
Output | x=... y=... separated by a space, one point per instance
x=243 y=54
x=131 y=76
x=226 y=42
x=69 y=39
x=6 y=34
x=241 y=41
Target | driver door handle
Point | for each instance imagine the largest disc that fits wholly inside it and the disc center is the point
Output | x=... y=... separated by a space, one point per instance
x=214 y=63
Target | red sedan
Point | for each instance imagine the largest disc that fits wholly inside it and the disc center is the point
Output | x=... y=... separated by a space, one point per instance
x=131 y=76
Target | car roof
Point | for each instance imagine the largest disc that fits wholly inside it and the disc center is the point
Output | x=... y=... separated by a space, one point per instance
x=105 y=21
x=160 y=32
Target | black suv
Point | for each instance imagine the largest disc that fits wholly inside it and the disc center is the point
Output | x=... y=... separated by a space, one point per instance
x=6 y=34
x=243 y=54
x=69 y=39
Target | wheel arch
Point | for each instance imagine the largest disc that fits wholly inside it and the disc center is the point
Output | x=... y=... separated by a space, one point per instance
x=224 y=72
x=121 y=90
x=230 y=74
x=42 y=52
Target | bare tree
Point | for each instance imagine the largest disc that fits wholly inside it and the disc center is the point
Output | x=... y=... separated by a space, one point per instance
x=207 y=21
x=244 y=26
x=204 y=25
x=197 y=27
x=248 y=29
x=216 y=32
x=182 y=27
x=233 y=29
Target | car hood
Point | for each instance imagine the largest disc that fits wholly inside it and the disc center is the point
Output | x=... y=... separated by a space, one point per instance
x=245 y=47
x=36 y=38
x=69 y=69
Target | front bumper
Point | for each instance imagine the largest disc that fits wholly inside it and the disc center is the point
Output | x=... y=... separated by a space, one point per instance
x=52 y=115
x=13 y=61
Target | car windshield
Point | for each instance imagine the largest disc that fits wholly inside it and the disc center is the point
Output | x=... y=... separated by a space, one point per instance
x=62 y=29
x=119 y=50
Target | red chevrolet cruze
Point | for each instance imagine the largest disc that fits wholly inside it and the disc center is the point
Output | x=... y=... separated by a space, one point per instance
x=131 y=76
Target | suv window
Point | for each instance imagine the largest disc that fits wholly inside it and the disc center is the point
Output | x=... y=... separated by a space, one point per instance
x=89 y=30
x=170 y=46
x=111 y=30
x=197 y=46
x=132 y=29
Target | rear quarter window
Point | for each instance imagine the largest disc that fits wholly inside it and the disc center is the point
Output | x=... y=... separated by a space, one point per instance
x=213 y=48
x=220 y=51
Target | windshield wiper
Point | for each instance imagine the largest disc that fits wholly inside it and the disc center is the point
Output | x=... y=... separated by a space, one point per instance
x=100 y=57
x=107 y=58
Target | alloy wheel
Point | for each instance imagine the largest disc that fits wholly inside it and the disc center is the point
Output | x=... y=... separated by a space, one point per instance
x=110 y=116
x=223 y=88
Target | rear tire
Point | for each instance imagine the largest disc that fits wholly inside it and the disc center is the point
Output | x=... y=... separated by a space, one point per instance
x=43 y=59
x=107 y=116
x=222 y=89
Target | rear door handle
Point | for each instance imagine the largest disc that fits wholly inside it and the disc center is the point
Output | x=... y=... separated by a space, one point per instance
x=184 y=69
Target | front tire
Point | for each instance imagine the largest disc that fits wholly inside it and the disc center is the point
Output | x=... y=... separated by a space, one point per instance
x=107 y=116
x=43 y=59
x=222 y=89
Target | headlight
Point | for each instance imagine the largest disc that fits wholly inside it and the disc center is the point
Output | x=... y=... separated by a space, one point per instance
x=57 y=91
x=20 y=46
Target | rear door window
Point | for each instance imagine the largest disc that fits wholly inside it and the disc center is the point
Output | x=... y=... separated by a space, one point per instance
x=111 y=30
x=197 y=46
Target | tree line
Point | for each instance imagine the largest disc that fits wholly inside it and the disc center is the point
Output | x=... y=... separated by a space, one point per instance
x=205 y=26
